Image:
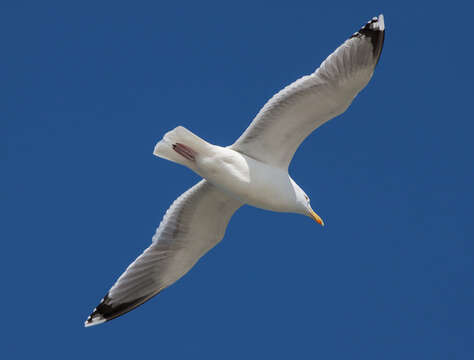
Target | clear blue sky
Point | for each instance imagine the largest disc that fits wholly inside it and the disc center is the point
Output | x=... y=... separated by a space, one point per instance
x=87 y=89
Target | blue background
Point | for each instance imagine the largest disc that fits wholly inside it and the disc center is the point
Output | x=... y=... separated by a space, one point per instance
x=88 y=88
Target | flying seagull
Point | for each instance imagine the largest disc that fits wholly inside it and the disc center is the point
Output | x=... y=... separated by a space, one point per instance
x=253 y=171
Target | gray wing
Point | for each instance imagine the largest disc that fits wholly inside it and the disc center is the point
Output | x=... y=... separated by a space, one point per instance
x=292 y=114
x=194 y=223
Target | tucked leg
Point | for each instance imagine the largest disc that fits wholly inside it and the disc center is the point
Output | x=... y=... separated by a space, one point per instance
x=185 y=151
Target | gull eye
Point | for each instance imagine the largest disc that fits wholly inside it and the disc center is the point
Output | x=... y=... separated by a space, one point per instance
x=306 y=197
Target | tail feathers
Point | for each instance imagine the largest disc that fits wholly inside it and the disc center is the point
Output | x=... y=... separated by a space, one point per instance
x=177 y=144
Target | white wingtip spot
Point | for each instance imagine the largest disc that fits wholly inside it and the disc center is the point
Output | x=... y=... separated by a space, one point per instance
x=94 y=321
x=381 y=22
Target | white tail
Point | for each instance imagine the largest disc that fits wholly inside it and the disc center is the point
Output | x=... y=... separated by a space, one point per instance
x=181 y=146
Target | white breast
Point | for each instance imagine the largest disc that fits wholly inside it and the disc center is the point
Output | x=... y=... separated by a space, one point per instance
x=253 y=182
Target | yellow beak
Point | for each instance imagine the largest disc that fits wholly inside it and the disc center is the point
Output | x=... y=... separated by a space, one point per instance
x=316 y=217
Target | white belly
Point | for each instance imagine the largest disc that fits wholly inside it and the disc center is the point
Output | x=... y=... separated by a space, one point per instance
x=251 y=181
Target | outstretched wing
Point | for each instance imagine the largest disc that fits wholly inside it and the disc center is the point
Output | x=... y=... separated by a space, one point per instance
x=194 y=223
x=292 y=114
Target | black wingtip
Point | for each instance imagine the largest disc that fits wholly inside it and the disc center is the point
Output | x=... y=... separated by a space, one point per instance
x=375 y=30
x=106 y=311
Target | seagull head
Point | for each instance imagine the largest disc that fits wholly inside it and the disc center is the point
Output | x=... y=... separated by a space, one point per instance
x=305 y=206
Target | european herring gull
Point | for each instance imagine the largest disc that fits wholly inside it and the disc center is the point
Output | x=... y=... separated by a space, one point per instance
x=253 y=171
